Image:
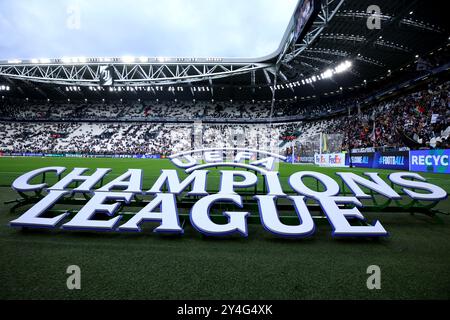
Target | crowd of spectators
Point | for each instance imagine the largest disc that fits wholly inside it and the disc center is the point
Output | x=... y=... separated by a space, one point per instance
x=416 y=120
x=169 y=110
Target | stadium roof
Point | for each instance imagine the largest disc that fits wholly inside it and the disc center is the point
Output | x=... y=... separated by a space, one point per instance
x=409 y=31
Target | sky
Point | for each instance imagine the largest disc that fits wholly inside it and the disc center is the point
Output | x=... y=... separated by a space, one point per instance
x=151 y=28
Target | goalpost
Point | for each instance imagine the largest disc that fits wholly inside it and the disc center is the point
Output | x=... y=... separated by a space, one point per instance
x=315 y=147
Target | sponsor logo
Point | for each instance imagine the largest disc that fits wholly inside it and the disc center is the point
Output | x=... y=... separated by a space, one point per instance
x=436 y=161
x=331 y=160
x=238 y=169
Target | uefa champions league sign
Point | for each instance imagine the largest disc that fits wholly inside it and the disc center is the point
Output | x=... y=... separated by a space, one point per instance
x=241 y=173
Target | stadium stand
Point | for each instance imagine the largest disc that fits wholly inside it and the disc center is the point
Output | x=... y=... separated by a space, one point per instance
x=417 y=120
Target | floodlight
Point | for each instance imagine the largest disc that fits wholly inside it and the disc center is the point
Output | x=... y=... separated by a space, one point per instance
x=327 y=74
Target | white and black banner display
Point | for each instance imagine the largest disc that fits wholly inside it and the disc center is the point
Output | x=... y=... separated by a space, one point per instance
x=106 y=76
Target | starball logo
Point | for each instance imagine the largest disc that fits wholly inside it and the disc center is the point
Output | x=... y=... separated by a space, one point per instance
x=102 y=209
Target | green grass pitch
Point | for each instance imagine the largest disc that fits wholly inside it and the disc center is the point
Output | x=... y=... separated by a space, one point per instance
x=414 y=259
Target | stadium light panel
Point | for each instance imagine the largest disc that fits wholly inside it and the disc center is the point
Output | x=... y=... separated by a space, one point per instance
x=327 y=74
x=343 y=67
x=34 y=61
x=44 y=60
x=15 y=61
x=128 y=59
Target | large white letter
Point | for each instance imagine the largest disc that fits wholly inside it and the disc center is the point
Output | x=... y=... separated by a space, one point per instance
x=96 y=204
x=22 y=182
x=267 y=163
x=190 y=162
x=272 y=223
x=213 y=156
x=378 y=185
x=227 y=183
x=168 y=215
x=296 y=183
x=132 y=180
x=273 y=184
x=338 y=220
x=198 y=178
x=436 y=193
x=243 y=155
x=201 y=221
x=31 y=217
x=76 y=175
